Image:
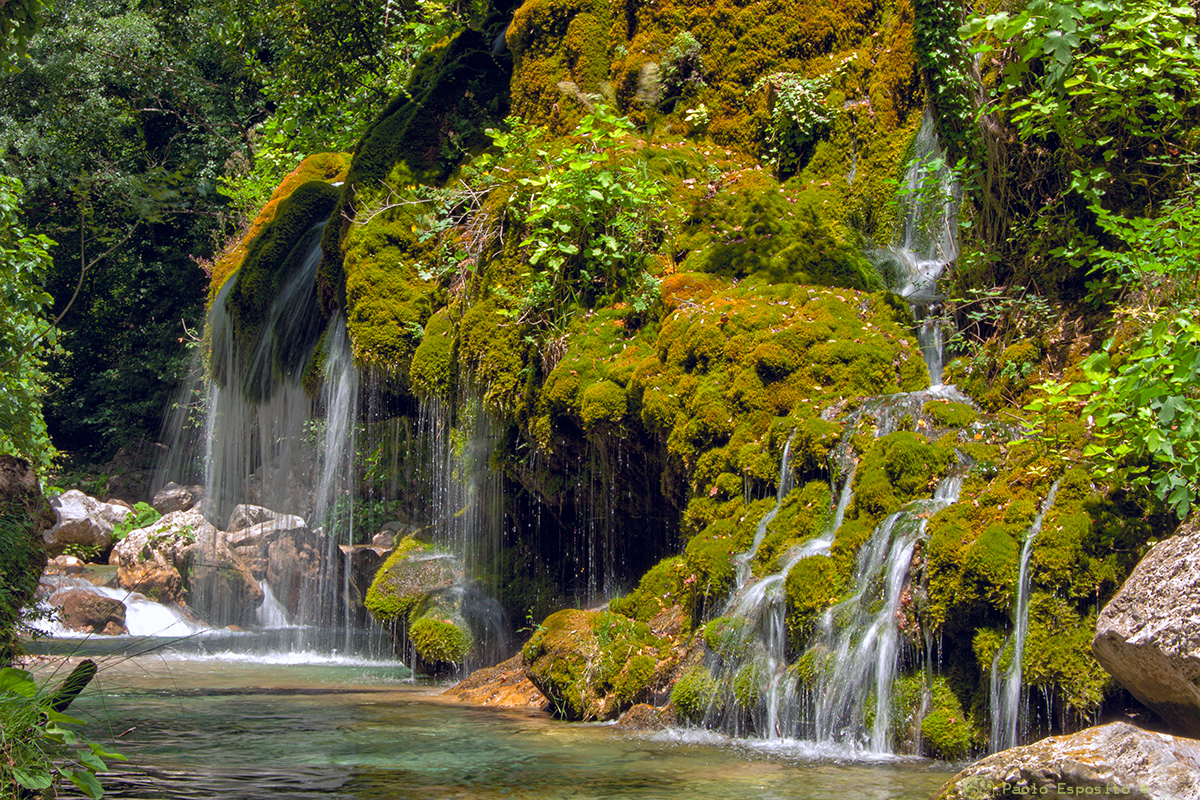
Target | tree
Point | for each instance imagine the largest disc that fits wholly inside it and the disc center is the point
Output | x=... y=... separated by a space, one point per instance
x=26 y=337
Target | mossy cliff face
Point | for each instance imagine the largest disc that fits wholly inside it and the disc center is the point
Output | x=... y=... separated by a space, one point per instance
x=660 y=402
x=328 y=167
x=369 y=272
x=683 y=67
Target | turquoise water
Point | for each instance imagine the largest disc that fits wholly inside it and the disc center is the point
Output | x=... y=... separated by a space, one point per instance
x=229 y=728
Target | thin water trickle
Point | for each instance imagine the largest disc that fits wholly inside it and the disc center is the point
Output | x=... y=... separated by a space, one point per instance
x=743 y=560
x=927 y=242
x=1006 y=704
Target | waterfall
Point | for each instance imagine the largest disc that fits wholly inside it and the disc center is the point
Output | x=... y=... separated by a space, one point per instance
x=465 y=502
x=1006 y=704
x=268 y=440
x=861 y=635
x=743 y=560
x=761 y=605
x=927 y=242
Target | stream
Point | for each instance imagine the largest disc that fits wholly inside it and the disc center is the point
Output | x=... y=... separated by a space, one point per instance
x=228 y=726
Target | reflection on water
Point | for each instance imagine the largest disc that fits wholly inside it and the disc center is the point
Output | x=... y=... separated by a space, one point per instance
x=220 y=729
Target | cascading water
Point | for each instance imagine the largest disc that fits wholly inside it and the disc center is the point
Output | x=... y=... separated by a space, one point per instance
x=760 y=605
x=927 y=242
x=268 y=441
x=850 y=698
x=743 y=560
x=1006 y=706
x=861 y=635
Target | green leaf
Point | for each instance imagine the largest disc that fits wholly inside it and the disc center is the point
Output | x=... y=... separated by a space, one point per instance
x=85 y=781
x=17 y=681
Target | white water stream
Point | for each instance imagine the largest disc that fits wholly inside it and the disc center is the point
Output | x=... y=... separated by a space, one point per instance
x=1006 y=706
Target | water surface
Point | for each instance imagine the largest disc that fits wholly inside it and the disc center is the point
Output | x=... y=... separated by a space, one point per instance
x=240 y=728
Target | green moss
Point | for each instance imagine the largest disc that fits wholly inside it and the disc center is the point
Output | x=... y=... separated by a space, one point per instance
x=898 y=468
x=326 y=167
x=369 y=270
x=693 y=694
x=753 y=231
x=803 y=515
x=1058 y=651
x=730 y=637
x=813 y=585
x=400 y=585
x=950 y=414
x=659 y=586
x=272 y=259
x=602 y=406
x=946 y=731
x=593 y=665
x=433 y=365
x=747 y=682
x=439 y=640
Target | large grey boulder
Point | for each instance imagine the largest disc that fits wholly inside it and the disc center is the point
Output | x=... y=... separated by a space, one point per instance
x=173 y=497
x=287 y=555
x=1114 y=760
x=183 y=559
x=1148 y=636
x=82 y=520
x=244 y=515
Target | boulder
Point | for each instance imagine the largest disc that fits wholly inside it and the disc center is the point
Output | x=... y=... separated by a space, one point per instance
x=81 y=610
x=596 y=664
x=365 y=560
x=1148 y=636
x=65 y=565
x=502 y=686
x=131 y=471
x=285 y=553
x=1115 y=759
x=83 y=521
x=182 y=558
x=152 y=560
x=244 y=515
x=222 y=589
x=261 y=534
x=173 y=497
x=439 y=621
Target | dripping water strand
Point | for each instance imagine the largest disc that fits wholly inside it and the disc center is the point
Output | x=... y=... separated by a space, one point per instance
x=1006 y=692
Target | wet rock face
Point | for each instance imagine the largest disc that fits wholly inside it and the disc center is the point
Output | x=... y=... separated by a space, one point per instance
x=82 y=520
x=503 y=686
x=82 y=610
x=1148 y=636
x=173 y=497
x=131 y=472
x=182 y=559
x=1116 y=759
x=244 y=516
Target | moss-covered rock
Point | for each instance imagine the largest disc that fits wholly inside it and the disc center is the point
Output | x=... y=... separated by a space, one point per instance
x=24 y=516
x=413 y=570
x=327 y=167
x=439 y=640
x=274 y=259
x=594 y=665
x=693 y=694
